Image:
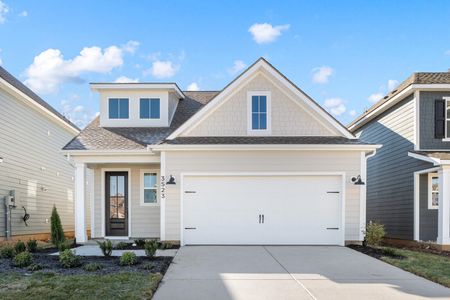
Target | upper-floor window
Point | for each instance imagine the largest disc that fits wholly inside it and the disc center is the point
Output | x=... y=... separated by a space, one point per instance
x=259 y=112
x=447 y=118
x=433 y=191
x=149 y=108
x=118 y=108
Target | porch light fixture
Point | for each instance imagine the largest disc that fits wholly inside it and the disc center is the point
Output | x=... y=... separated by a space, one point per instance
x=171 y=180
x=357 y=180
x=1 y=159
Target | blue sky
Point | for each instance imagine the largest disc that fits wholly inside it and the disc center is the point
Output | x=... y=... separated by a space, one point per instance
x=345 y=54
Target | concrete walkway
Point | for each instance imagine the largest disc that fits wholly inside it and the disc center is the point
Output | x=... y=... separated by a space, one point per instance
x=288 y=272
x=91 y=250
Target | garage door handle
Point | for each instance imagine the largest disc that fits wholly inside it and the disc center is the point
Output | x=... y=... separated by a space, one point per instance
x=190 y=228
x=190 y=192
x=259 y=219
x=263 y=219
x=333 y=228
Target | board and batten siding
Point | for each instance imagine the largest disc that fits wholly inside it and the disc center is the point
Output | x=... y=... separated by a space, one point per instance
x=145 y=220
x=33 y=166
x=426 y=107
x=263 y=161
x=390 y=173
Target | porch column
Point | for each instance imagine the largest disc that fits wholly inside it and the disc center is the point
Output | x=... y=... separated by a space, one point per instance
x=80 y=194
x=444 y=206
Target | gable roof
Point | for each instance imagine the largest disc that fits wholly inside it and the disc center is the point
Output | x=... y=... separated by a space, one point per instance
x=19 y=86
x=262 y=63
x=419 y=78
x=94 y=137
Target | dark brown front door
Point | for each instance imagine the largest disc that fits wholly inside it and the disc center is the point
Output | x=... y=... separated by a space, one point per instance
x=116 y=203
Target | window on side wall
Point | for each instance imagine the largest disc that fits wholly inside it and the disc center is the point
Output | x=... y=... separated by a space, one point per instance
x=433 y=191
x=118 y=108
x=149 y=108
x=447 y=118
x=259 y=112
x=149 y=188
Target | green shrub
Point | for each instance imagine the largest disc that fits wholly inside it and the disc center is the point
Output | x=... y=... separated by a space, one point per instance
x=106 y=247
x=148 y=266
x=64 y=246
x=7 y=251
x=68 y=259
x=374 y=233
x=23 y=259
x=150 y=248
x=20 y=247
x=32 y=246
x=140 y=243
x=92 y=267
x=120 y=246
x=57 y=232
x=128 y=259
x=35 y=267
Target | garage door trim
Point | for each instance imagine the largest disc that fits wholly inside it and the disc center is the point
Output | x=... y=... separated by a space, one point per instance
x=198 y=174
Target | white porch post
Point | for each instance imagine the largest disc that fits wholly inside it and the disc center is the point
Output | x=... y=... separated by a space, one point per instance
x=80 y=194
x=444 y=206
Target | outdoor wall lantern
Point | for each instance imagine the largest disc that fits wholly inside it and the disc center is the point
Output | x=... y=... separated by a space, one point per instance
x=171 y=180
x=357 y=180
x=1 y=159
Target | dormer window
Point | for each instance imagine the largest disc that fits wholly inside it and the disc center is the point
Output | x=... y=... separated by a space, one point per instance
x=259 y=113
x=118 y=108
x=149 y=108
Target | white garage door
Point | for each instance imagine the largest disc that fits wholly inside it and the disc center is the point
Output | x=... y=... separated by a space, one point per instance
x=262 y=210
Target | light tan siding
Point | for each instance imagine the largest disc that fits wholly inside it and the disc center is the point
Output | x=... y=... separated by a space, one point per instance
x=288 y=117
x=33 y=166
x=145 y=220
x=173 y=102
x=264 y=161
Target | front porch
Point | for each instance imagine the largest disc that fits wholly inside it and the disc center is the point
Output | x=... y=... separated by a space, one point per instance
x=117 y=197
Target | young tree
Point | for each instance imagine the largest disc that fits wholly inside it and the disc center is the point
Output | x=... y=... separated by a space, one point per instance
x=57 y=232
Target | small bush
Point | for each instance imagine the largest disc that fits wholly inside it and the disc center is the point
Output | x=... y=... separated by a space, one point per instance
x=120 y=246
x=148 y=266
x=64 y=246
x=150 y=248
x=92 y=267
x=23 y=259
x=128 y=259
x=68 y=259
x=374 y=233
x=32 y=246
x=106 y=247
x=35 y=267
x=140 y=243
x=57 y=232
x=20 y=247
x=7 y=251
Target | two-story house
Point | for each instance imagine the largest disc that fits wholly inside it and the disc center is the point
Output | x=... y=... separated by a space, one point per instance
x=258 y=162
x=34 y=174
x=409 y=179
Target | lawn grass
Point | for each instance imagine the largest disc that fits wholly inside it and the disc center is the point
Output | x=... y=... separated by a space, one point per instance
x=51 y=286
x=430 y=266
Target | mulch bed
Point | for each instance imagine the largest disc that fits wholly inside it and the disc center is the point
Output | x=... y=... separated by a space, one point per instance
x=110 y=265
x=375 y=252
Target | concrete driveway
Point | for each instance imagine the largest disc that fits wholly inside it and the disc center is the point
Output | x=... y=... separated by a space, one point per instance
x=288 y=272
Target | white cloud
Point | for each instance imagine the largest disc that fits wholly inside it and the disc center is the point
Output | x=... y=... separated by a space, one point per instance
x=162 y=69
x=23 y=14
x=392 y=83
x=264 y=33
x=131 y=46
x=375 y=97
x=76 y=113
x=3 y=12
x=193 y=87
x=322 y=74
x=238 y=66
x=49 y=68
x=125 y=79
x=335 y=105
x=352 y=113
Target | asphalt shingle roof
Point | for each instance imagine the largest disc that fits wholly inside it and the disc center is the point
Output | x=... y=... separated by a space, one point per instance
x=5 y=75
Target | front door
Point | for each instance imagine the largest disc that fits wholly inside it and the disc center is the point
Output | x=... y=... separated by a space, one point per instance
x=116 y=203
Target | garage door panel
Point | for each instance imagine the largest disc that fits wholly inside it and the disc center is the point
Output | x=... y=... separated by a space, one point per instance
x=296 y=210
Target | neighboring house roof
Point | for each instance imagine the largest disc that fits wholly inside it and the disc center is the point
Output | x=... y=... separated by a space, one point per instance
x=245 y=140
x=415 y=78
x=5 y=75
x=94 y=137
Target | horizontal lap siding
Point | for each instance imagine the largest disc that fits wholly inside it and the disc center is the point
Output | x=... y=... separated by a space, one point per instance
x=262 y=161
x=145 y=220
x=26 y=147
x=390 y=173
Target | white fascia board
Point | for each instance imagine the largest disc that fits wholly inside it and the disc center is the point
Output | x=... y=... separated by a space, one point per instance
x=137 y=86
x=203 y=112
x=106 y=152
x=31 y=102
x=367 y=148
x=432 y=160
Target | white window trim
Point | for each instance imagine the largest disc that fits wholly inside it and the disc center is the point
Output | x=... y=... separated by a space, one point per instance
x=430 y=191
x=107 y=105
x=149 y=98
x=268 y=130
x=141 y=187
x=446 y=137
